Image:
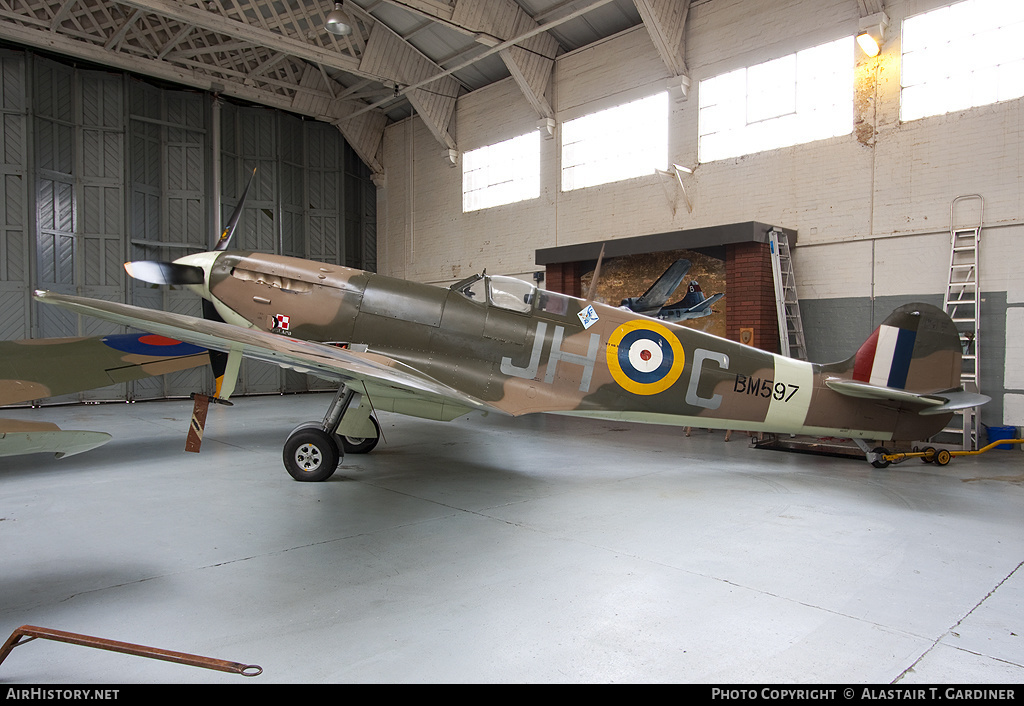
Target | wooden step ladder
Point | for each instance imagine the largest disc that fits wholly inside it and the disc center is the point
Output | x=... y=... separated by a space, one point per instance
x=962 y=302
x=791 y=327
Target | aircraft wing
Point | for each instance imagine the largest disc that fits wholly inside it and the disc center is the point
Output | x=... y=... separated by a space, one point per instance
x=18 y=437
x=37 y=368
x=400 y=387
x=651 y=301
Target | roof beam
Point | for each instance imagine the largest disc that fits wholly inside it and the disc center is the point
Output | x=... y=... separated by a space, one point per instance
x=530 y=62
x=387 y=54
x=387 y=57
x=491 y=22
x=151 y=67
x=214 y=22
x=666 y=23
x=495 y=49
x=870 y=7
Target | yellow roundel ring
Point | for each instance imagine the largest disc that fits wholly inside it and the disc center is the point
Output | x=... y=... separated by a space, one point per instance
x=644 y=357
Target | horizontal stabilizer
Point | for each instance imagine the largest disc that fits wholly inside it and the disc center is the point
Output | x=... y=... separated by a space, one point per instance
x=934 y=403
x=706 y=304
x=957 y=399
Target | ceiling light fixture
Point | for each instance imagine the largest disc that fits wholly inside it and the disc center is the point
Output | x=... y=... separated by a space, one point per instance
x=868 y=44
x=871 y=33
x=337 y=23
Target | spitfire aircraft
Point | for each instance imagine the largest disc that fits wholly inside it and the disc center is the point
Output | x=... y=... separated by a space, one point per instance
x=501 y=344
x=652 y=302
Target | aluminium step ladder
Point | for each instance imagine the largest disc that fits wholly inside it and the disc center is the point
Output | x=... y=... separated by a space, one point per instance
x=962 y=302
x=791 y=326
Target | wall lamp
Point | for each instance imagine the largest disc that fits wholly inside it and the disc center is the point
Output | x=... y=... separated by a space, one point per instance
x=872 y=33
x=337 y=23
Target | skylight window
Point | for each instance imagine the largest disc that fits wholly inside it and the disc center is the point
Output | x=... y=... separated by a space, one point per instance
x=791 y=100
x=962 y=56
x=502 y=173
x=623 y=142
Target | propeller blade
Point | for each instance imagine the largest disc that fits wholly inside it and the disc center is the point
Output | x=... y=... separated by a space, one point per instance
x=156 y=272
x=225 y=365
x=229 y=229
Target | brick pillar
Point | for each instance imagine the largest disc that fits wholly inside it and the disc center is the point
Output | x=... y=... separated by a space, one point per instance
x=563 y=277
x=750 y=302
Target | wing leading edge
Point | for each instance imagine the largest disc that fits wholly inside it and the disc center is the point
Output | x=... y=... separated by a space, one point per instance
x=391 y=384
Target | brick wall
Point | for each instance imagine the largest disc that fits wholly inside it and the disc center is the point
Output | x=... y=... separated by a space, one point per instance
x=750 y=303
x=564 y=277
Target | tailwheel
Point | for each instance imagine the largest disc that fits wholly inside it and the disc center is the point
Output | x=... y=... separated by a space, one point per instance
x=356 y=445
x=311 y=454
x=878 y=452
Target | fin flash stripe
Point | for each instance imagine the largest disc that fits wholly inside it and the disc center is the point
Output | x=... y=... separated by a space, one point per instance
x=885 y=357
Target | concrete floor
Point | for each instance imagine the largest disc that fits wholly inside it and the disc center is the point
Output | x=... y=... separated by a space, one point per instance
x=495 y=550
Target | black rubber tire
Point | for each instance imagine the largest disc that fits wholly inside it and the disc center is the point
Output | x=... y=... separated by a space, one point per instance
x=354 y=445
x=311 y=454
x=942 y=457
x=880 y=464
x=929 y=454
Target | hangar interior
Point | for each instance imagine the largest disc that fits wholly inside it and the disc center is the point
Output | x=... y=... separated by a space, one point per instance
x=437 y=138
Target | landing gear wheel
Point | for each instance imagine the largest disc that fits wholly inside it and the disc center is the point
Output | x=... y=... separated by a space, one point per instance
x=942 y=457
x=878 y=462
x=356 y=445
x=311 y=454
x=929 y=454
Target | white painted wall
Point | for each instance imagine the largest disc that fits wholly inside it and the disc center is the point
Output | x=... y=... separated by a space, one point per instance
x=872 y=209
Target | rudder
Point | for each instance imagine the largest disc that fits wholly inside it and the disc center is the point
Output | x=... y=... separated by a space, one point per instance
x=917 y=348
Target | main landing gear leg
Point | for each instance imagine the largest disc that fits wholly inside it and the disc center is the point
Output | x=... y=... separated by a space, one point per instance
x=312 y=452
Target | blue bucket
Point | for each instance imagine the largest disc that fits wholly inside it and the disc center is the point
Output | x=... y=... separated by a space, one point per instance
x=1000 y=433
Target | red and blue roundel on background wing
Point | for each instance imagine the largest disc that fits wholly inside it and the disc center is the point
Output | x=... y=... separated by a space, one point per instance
x=645 y=357
x=150 y=344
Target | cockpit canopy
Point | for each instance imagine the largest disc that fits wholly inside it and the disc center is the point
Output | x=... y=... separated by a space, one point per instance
x=511 y=294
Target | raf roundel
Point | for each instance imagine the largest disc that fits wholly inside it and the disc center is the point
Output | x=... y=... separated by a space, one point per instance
x=644 y=357
x=150 y=344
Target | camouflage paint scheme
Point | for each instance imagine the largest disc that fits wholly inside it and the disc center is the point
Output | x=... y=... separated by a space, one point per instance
x=497 y=343
x=35 y=369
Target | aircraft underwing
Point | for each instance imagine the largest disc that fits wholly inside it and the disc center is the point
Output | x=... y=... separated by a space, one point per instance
x=501 y=344
x=36 y=369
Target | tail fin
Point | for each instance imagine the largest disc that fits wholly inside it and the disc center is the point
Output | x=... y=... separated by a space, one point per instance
x=913 y=357
x=694 y=296
x=916 y=348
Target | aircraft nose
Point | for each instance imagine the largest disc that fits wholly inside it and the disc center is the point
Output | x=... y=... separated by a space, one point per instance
x=202 y=264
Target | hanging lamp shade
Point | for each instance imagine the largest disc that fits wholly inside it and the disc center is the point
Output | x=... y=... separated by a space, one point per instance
x=337 y=23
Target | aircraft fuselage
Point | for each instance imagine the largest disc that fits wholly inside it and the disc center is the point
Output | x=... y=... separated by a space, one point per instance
x=527 y=350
